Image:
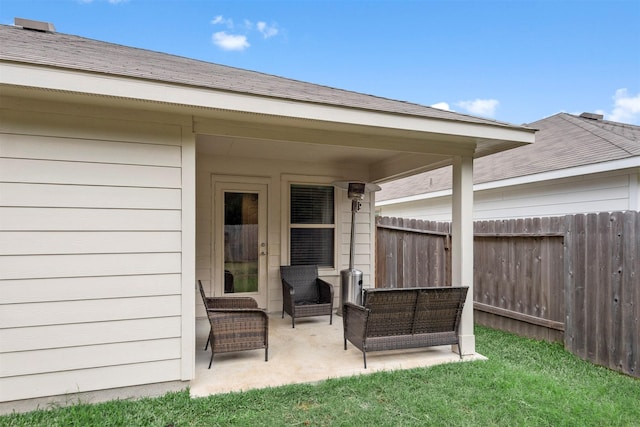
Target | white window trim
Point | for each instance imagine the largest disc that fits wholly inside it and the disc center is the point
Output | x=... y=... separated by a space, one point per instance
x=285 y=210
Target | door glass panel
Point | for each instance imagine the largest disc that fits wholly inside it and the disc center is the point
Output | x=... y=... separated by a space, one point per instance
x=241 y=242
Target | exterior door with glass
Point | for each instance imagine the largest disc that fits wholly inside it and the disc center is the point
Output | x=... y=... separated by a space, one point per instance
x=240 y=240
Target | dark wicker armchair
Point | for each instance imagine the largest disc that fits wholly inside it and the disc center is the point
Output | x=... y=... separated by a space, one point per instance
x=237 y=324
x=304 y=294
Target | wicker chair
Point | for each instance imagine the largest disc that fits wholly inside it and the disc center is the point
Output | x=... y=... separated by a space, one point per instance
x=304 y=294
x=237 y=324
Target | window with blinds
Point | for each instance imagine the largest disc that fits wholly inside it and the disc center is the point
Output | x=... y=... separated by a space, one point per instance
x=312 y=225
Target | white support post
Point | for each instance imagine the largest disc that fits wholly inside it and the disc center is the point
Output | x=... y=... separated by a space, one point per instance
x=462 y=244
x=188 y=253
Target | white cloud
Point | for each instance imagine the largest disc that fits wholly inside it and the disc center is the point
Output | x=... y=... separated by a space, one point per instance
x=267 y=30
x=442 y=106
x=230 y=41
x=480 y=107
x=221 y=20
x=626 y=107
x=238 y=38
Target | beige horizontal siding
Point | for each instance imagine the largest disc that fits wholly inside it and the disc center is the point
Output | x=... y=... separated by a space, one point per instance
x=90 y=252
x=364 y=247
x=85 y=150
x=73 y=125
x=59 y=172
x=72 y=358
x=79 y=288
x=82 y=334
x=75 y=219
x=100 y=378
x=100 y=310
x=84 y=196
x=44 y=266
x=88 y=242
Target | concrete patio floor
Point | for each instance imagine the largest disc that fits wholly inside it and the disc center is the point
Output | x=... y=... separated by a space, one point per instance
x=311 y=352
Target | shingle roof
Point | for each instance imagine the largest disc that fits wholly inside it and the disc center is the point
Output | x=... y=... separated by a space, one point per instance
x=562 y=141
x=78 y=53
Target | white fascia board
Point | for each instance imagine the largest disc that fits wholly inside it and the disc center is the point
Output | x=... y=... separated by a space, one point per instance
x=562 y=173
x=416 y=197
x=527 y=179
x=144 y=90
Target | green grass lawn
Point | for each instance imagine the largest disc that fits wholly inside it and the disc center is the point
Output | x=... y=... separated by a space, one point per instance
x=245 y=275
x=524 y=383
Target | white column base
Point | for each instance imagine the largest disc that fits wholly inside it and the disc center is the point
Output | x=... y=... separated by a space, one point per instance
x=468 y=344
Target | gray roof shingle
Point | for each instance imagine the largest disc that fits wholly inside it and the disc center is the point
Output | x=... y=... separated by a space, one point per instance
x=73 y=52
x=562 y=141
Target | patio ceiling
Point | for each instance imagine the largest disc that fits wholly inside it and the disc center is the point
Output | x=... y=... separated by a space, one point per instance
x=273 y=150
x=389 y=146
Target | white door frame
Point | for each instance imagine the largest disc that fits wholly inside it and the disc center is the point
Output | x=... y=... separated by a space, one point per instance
x=220 y=185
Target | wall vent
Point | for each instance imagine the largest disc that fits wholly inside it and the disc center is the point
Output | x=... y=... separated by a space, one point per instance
x=28 y=24
x=592 y=116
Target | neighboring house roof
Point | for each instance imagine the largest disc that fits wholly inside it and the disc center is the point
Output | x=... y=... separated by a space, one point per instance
x=77 y=53
x=563 y=141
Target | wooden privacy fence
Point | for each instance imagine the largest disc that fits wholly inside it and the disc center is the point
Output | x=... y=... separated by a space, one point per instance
x=241 y=242
x=573 y=279
x=412 y=252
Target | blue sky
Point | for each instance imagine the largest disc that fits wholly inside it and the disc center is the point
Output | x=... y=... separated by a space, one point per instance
x=516 y=61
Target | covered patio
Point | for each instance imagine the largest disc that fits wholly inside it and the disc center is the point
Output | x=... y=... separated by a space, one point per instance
x=311 y=352
x=121 y=186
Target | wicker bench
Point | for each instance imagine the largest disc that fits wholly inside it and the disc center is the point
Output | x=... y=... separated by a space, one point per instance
x=392 y=319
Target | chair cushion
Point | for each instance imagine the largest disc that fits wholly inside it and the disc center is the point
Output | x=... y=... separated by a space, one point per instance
x=306 y=291
x=303 y=279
